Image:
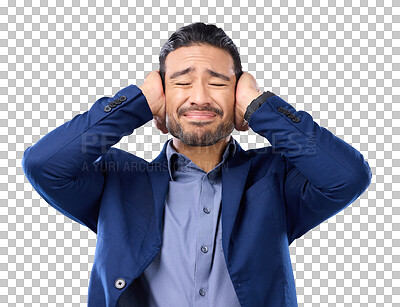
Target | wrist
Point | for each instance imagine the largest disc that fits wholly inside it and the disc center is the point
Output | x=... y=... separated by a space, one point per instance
x=254 y=95
x=150 y=99
x=256 y=104
x=248 y=98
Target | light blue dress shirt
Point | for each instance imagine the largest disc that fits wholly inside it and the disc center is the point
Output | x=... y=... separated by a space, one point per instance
x=190 y=270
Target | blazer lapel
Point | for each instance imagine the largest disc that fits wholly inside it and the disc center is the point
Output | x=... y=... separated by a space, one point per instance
x=234 y=175
x=159 y=179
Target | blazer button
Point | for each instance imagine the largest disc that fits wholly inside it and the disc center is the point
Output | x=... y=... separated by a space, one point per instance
x=295 y=119
x=122 y=98
x=120 y=283
x=117 y=101
x=112 y=104
x=107 y=108
x=291 y=116
x=283 y=110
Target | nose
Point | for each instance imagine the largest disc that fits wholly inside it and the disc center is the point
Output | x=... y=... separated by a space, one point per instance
x=200 y=95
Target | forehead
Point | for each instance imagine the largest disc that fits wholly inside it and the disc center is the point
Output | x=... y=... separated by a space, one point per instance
x=202 y=58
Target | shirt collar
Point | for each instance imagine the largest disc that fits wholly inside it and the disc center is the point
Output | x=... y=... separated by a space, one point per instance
x=177 y=160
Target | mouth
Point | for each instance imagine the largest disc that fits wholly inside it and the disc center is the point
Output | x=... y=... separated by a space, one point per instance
x=199 y=115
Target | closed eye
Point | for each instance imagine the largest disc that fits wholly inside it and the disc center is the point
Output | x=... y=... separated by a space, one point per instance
x=189 y=84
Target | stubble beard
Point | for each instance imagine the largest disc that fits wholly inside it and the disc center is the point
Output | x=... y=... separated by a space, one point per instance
x=199 y=136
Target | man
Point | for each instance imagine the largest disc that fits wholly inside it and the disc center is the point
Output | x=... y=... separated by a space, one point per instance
x=206 y=223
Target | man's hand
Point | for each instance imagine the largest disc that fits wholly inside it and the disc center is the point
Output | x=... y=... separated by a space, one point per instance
x=246 y=91
x=153 y=91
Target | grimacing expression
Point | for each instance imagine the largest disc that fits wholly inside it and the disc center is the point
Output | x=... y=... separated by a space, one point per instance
x=200 y=94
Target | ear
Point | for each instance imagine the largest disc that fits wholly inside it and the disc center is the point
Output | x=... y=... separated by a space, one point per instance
x=162 y=75
x=237 y=80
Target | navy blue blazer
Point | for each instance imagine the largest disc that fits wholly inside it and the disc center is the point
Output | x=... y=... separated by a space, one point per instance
x=270 y=196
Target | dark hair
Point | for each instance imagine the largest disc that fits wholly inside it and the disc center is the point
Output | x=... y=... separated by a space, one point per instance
x=200 y=34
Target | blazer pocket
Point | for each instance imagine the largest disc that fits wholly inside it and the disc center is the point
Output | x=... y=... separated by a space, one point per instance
x=260 y=186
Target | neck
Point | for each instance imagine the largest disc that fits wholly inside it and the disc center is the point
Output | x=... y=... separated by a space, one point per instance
x=206 y=157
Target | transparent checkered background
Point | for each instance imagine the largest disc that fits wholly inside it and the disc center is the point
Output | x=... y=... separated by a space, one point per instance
x=339 y=63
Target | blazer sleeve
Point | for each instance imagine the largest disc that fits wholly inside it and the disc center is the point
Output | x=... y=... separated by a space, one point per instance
x=323 y=174
x=64 y=165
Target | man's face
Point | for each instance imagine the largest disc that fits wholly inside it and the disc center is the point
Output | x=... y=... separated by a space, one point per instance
x=200 y=94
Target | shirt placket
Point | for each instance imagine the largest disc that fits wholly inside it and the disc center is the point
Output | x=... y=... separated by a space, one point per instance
x=204 y=245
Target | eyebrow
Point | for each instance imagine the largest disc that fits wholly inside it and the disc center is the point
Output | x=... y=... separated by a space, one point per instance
x=190 y=69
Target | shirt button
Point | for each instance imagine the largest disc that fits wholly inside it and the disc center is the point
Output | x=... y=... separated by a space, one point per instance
x=206 y=210
x=202 y=292
x=204 y=249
